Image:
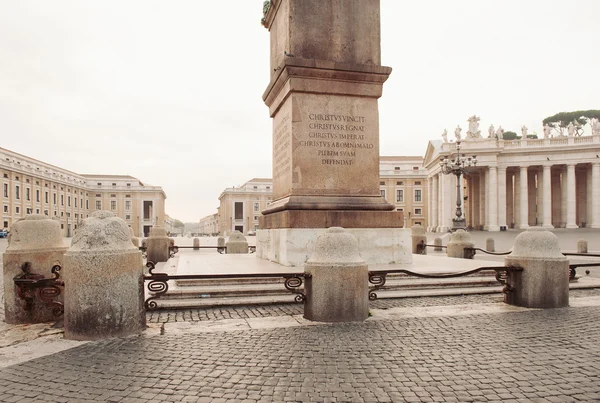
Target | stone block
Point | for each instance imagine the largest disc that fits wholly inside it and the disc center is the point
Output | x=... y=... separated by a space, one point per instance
x=104 y=287
x=196 y=244
x=459 y=240
x=158 y=245
x=544 y=281
x=236 y=244
x=337 y=287
x=36 y=240
x=490 y=245
x=582 y=246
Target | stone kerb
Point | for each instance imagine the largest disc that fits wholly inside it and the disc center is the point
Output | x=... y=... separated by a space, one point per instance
x=544 y=281
x=104 y=288
x=35 y=239
x=418 y=237
x=337 y=286
x=236 y=244
x=459 y=240
x=158 y=245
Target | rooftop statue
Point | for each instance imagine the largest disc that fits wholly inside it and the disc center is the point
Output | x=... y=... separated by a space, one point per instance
x=445 y=135
x=457 y=133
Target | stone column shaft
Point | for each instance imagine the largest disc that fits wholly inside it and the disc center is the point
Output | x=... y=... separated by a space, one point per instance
x=547 y=197
x=493 y=199
x=435 y=204
x=502 y=197
x=595 y=194
x=524 y=202
x=571 y=197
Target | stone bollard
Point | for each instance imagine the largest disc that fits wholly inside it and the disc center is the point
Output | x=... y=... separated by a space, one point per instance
x=236 y=243
x=419 y=239
x=490 y=246
x=337 y=285
x=158 y=245
x=459 y=240
x=544 y=281
x=196 y=244
x=134 y=240
x=104 y=289
x=582 y=246
x=36 y=240
x=438 y=244
x=220 y=244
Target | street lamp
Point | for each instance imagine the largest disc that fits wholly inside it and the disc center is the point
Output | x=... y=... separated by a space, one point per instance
x=459 y=166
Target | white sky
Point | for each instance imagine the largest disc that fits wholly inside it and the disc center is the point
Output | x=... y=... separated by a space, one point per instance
x=170 y=91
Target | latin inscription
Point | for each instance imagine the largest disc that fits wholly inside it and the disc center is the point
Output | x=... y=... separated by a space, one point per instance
x=336 y=138
x=281 y=149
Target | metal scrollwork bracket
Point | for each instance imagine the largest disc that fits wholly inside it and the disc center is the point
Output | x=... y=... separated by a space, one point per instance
x=293 y=284
x=378 y=280
x=157 y=285
x=31 y=286
x=504 y=275
x=173 y=251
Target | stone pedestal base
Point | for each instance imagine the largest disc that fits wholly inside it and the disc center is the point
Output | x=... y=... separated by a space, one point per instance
x=332 y=218
x=293 y=246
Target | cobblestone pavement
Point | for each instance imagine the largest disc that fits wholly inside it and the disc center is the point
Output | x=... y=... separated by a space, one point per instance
x=260 y=311
x=522 y=356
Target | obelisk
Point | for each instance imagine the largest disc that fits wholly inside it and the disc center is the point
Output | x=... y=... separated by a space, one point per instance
x=326 y=79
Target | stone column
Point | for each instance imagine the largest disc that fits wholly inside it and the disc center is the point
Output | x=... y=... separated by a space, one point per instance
x=523 y=199
x=476 y=201
x=510 y=200
x=337 y=287
x=493 y=199
x=556 y=199
x=532 y=197
x=544 y=281
x=35 y=240
x=429 y=202
x=571 y=197
x=547 y=197
x=158 y=245
x=435 y=204
x=104 y=287
x=502 y=193
x=482 y=200
x=485 y=205
x=595 y=195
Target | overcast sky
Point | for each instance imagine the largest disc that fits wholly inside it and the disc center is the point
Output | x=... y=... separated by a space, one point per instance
x=170 y=91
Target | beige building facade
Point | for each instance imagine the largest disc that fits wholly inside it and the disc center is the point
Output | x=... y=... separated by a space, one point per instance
x=209 y=225
x=549 y=183
x=30 y=186
x=240 y=207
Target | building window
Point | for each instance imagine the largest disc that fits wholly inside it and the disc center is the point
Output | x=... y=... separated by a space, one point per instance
x=46 y=197
x=399 y=183
x=128 y=216
x=417 y=195
x=17 y=192
x=69 y=201
x=127 y=195
x=5 y=190
x=400 y=209
x=255 y=218
x=415 y=168
x=114 y=185
x=417 y=183
x=46 y=212
x=87 y=204
x=80 y=203
x=17 y=210
x=6 y=209
x=6 y=175
x=396 y=168
x=98 y=205
x=28 y=211
x=239 y=210
x=418 y=211
x=399 y=195
x=62 y=200
x=382 y=193
x=37 y=210
x=129 y=185
x=128 y=205
x=98 y=195
x=113 y=195
x=113 y=204
x=99 y=184
x=381 y=183
x=75 y=200
x=27 y=194
x=37 y=196
x=54 y=198
x=256 y=206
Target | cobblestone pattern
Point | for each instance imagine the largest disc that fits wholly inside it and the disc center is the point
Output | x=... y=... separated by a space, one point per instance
x=527 y=356
x=202 y=314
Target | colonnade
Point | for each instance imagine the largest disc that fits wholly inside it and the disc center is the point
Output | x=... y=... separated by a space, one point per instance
x=498 y=197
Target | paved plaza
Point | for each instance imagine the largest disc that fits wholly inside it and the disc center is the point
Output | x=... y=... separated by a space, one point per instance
x=429 y=349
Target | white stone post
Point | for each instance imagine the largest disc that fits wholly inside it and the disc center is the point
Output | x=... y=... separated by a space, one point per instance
x=547 y=197
x=459 y=240
x=158 y=245
x=544 y=281
x=104 y=287
x=418 y=237
x=493 y=199
x=337 y=287
x=524 y=202
x=236 y=243
x=595 y=194
x=571 y=197
x=36 y=240
x=502 y=194
x=196 y=244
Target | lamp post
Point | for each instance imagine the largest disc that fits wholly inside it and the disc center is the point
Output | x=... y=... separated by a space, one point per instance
x=461 y=165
